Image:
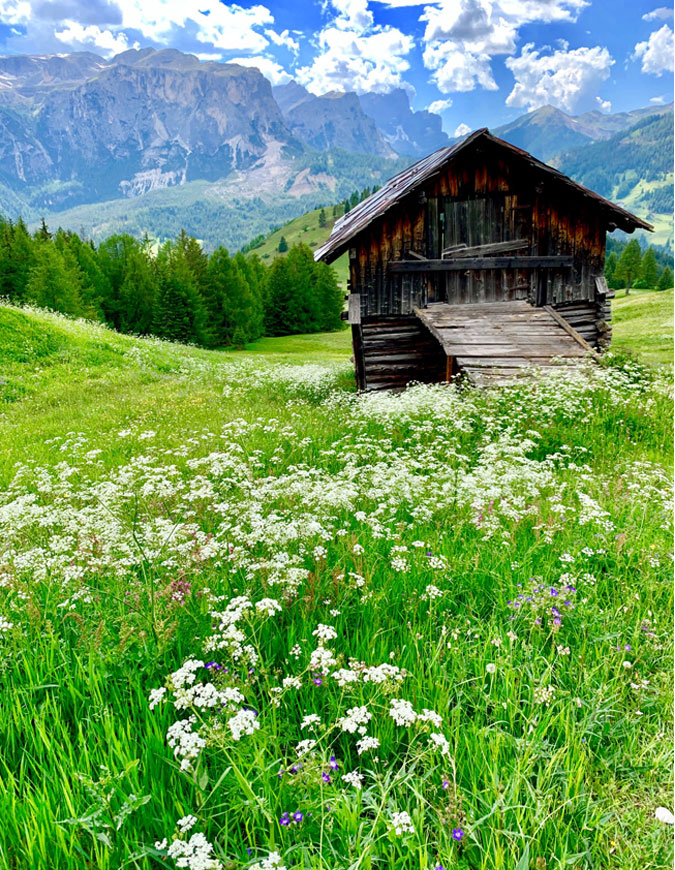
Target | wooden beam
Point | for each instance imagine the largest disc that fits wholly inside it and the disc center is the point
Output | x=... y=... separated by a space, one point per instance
x=415 y=256
x=572 y=331
x=477 y=264
x=354 y=308
x=481 y=250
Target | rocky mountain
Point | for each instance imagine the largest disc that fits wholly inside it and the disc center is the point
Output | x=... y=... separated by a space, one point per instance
x=547 y=132
x=409 y=133
x=333 y=120
x=147 y=119
x=368 y=123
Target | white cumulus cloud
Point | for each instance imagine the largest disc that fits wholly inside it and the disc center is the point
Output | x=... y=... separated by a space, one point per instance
x=284 y=39
x=15 y=11
x=603 y=105
x=656 y=53
x=462 y=130
x=457 y=70
x=352 y=61
x=565 y=79
x=663 y=13
x=439 y=106
x=224 y=27
x=267 y=66
x=462 y=36
x=93 y=38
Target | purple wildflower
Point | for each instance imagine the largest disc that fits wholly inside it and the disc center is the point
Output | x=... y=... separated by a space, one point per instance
x=445 y=785
x=285 y=820
x=325 y=776
x=298 y=816
x=333 y=762
x=457 y=834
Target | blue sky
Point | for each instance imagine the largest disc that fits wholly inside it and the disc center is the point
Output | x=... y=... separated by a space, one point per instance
x=476 y=62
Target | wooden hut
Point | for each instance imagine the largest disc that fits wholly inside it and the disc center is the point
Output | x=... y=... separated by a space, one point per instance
x=479 y=260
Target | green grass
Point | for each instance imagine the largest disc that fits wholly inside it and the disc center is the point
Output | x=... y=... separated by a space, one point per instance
x=147 y=486
x=642 y=322
x=305 y=229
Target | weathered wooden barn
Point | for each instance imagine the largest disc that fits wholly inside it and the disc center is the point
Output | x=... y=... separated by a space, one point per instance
x=478 y=260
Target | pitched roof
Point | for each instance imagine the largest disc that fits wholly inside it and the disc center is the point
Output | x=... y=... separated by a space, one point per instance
x=351 y=224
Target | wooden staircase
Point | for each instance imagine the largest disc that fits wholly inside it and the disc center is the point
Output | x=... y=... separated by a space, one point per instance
x=492 y=343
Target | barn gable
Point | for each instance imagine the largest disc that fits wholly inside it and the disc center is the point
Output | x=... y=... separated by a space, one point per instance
x=478 y=223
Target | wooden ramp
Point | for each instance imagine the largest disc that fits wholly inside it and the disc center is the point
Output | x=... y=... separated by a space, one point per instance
x=494 y=342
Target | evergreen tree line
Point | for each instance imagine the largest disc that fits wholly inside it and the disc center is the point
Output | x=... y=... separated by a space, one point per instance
x=627 y=267
x=177 y=292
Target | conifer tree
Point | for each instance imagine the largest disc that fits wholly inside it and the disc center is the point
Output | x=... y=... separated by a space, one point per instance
x=254 y=271
x=322 y=217
x=17 y=250
x=630 y=263
x=330 y=298
x=283 y=245
x=610 y=269
x=53 y=283
x=279 y=319
x=43 y=234
x=114 y=255
x=665 y=281
x=176 y=311
x=649 y=275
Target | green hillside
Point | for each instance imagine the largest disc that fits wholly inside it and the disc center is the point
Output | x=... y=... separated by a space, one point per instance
x=635 y=169
x=643 y=323
x=305 y=229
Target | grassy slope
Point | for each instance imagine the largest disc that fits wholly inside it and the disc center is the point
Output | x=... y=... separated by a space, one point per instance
x=574 y=784
x=305 y=229
x=643 y=323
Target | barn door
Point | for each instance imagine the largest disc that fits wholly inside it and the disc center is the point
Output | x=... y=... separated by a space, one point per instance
x=473 y=222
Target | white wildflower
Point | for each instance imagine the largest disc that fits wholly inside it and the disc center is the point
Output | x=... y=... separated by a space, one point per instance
x=402 y=823
x=402 y=712
x=430 y=716
x=195 y=853
x=355 y=716
x=366 y=743
x=186 y=823
x=439 y=741
x=270 y=606
x=156 y=697
x=324 y=632
x=243 y=722
x=353 y=778
x=304 y=747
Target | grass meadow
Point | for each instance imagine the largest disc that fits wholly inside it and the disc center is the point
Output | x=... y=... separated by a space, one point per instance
x=251 y=619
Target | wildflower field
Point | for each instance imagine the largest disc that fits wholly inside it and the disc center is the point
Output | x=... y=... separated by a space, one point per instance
x=250 y=619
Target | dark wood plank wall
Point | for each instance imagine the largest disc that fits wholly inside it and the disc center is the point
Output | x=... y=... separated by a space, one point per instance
x=481 y=199
x=390 y=351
